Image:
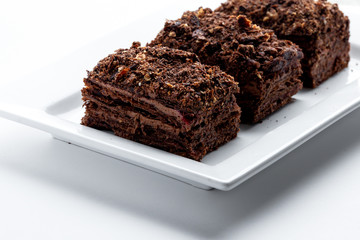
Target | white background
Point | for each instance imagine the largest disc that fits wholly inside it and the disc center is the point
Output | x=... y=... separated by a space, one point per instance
x=52 y=190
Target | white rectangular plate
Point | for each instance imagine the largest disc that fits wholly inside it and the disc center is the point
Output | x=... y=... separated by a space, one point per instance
x=50 y=100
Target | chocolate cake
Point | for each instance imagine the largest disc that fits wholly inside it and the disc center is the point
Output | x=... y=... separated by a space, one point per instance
x=318 y=27
x=267 y=69
x=164 y=98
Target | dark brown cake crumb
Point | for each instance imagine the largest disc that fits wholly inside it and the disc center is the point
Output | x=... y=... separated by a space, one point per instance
x=267 y=69
x=164 y=98
x=318 y=27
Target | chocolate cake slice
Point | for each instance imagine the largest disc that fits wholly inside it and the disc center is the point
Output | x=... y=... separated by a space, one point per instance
x=164 y=98
x=318 y=27
x=267 y=69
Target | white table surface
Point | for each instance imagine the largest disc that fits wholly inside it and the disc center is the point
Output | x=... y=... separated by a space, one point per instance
x=53 y=190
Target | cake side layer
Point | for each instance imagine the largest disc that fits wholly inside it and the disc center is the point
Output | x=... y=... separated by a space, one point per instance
x=114 y=96
x=136 y=127
x=278 y=95
x=147 y=116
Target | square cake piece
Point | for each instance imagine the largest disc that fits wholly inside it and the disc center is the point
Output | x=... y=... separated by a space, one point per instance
x=318 y=27
x=267 y=69
x=164 y=98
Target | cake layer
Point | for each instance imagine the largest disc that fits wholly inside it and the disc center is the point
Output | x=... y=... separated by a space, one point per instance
x=277 y=99
x=137 y=127
x=318 y=27
x=127 y=113
x=255 y=57
x=113 y=96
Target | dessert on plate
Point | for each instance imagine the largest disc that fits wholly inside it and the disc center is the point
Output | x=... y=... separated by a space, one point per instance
x=318 y=27
x=267 y=69
x=164 y=98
